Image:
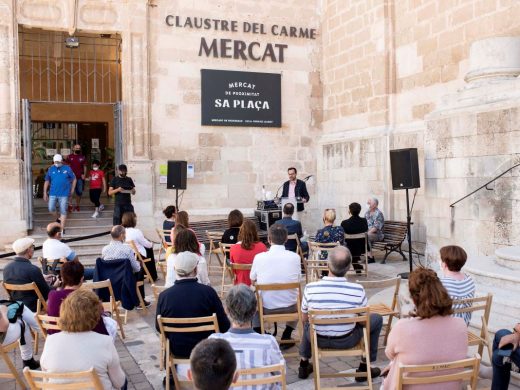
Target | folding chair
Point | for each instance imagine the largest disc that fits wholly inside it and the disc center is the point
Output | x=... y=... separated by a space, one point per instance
x=360 y=236
x=214 y=238
x=461 y=370
x=225 y=250
x=157 y=290
x=355 y=316
x=384 y=309
x=163 y=247
x=299 y=250
x=47 y=323
x=8 y=287
x=316 y=249
x=67 y=380
x=13 y=374
x=239 y=267
x=285 y=317
x=51 y=264
x=181 y=325
x=113 y=306
x=142 y=261
x=314 y=270
x=261 y=376
x=470 y=305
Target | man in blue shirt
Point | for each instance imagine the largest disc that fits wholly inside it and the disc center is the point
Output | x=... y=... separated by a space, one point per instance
x=61 y=181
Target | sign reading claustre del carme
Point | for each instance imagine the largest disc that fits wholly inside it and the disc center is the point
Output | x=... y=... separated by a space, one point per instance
x=231 y=98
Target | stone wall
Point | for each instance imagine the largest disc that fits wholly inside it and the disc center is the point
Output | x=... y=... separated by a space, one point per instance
x=232 y=163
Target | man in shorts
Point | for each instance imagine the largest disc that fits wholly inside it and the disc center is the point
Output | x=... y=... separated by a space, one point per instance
x=60 y=182
x=78 y=163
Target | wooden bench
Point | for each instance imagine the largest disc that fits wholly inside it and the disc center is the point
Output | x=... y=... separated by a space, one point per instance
x=200 y=228
x=394 y=235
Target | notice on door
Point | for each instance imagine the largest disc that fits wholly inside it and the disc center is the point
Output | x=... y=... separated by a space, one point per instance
x=247 y=99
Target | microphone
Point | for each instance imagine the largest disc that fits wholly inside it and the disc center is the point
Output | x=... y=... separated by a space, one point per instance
x=278 y=190
x=308 y=177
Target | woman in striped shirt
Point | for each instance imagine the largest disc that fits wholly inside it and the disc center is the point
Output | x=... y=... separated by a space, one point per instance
x=458 y=284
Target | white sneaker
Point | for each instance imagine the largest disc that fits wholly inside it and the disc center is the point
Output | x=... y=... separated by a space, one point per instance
x=95 y=215
x=101 y=207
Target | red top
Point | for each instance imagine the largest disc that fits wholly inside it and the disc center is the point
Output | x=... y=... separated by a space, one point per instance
x=240 y=255
x=96 y=179
x=77 y=164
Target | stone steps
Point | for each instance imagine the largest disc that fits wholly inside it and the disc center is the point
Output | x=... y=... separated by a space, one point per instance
x=499 y=276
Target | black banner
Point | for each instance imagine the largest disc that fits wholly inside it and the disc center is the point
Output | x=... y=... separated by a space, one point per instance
x=247 y=99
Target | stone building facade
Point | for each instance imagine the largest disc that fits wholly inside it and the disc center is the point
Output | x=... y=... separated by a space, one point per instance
x=379 y=75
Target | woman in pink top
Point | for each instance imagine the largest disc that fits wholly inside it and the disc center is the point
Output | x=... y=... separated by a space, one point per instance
x=245 y=250
x=431 y=335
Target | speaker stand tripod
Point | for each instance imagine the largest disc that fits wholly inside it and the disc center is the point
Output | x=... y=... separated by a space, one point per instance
x=177 y=199
x=405 y=275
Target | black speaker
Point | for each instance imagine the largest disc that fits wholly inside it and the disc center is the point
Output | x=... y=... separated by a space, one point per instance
x=405 y=169
x=177 y=172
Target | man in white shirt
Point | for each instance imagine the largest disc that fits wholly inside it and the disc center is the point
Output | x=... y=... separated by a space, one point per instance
x=277 y=265
x=53 y=248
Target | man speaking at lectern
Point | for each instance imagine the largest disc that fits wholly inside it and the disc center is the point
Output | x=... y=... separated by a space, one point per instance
x=295 y=188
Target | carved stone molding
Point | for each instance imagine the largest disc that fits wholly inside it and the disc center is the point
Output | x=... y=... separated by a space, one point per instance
x=99 y=14
x=494 y=59
x=48 y=14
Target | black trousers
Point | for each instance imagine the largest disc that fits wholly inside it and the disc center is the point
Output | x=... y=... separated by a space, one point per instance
x=95 y=194
x=119 y=210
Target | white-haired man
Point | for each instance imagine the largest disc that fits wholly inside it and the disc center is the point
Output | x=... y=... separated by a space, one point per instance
x=376 y=222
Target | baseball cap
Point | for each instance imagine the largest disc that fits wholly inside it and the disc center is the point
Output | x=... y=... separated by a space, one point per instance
x=22 y=244
x=57 y=157
x=185 y=263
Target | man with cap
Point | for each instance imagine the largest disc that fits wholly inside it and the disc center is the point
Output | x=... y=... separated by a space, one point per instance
x=188 y=298
x=60 y=182
x=21 y=271
x=78 y=163
x=121 y=186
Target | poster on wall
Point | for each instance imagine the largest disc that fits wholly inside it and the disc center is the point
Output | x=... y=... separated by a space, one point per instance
x=247 y=99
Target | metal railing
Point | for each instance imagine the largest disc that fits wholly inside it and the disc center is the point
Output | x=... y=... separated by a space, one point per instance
x=485 y=185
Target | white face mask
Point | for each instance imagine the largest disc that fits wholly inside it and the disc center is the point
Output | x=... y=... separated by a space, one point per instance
x=95 y=168
x=57 y=164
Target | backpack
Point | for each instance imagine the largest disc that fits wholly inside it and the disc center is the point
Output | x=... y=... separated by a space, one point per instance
x=15 y=312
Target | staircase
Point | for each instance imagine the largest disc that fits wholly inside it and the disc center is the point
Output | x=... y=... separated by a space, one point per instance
x=78 y=224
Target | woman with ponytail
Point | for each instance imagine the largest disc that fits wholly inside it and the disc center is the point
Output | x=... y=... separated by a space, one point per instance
x=430 y=335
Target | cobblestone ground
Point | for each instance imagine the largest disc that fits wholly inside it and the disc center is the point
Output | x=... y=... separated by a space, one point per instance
x=139 y=352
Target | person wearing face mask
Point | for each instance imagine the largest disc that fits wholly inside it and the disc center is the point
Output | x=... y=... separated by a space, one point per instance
x=60 y=182
x=98 y=185
x=78 y=164
x=376 y=222
x=122 y=187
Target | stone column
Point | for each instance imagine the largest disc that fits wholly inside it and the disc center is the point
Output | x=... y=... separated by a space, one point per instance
x=12 y=223
x=136 y=132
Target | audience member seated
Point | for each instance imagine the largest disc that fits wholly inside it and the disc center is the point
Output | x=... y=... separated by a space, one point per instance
x=78 y=347
x=431 y=335
x=72 y=279
x=169 y=223
x=335 y=292
x=182 y=219
x=246 y=249
x=356 y=225
x=145 y=247
x=186 y=241
x=277 y=265
x=457 y=283
x=54 y=249
x=252 y=350
x=376 y=222
x=212 y=365
x=117 y=249
x=505 y=339
x=186 y=299
x=11 y=332
x=330 y=233
x=293 y=227
x=21 y=271
x=235 y=220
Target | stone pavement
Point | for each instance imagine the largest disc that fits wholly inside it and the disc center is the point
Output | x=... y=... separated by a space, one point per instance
x=139 y=352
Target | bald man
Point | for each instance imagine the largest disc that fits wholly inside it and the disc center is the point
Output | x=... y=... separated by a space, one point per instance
x=53 y=248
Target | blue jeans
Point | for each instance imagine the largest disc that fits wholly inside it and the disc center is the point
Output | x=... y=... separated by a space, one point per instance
x=79 y=187
x=501 y=370
x=349 y=341
x=63 y=203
